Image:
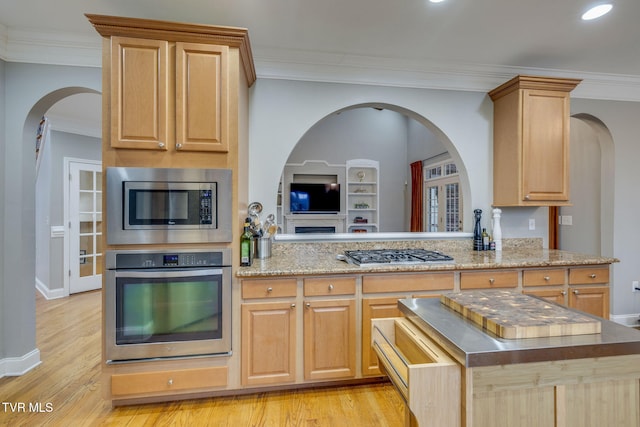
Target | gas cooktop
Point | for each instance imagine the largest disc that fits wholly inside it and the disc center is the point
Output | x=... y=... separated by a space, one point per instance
x=395 y=256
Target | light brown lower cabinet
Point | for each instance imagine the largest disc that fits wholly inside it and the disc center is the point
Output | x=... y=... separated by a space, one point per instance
x=593 y=300
x=168 y=381
x=557 y=295
x=329 y=339
x=586 y=297
x=268 y=343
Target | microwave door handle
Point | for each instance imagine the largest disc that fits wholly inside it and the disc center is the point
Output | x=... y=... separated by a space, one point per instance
x=161 y=273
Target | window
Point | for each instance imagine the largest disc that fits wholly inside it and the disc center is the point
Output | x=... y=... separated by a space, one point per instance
x=443 y=210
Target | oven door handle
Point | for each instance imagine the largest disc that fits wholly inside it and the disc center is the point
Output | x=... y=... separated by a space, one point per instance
x=156 y=273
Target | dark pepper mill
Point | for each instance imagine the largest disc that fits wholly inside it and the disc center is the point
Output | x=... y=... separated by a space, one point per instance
x=477 y=232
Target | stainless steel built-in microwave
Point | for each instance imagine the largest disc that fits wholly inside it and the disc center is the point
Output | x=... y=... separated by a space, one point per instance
x=164 y=205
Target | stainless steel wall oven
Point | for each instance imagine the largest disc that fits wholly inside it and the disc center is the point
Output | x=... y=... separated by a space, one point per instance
x=164 y=205
x=167 y=303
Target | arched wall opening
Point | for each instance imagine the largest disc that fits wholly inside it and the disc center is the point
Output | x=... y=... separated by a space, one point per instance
x=380 y=131
x=30 y=91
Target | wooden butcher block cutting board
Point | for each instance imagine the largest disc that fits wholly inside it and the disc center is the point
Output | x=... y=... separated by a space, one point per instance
x=512 y=315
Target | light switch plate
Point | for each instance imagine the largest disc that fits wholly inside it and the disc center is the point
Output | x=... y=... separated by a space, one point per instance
x=566 y=220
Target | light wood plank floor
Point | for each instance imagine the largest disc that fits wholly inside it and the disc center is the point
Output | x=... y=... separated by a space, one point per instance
x=67 y=387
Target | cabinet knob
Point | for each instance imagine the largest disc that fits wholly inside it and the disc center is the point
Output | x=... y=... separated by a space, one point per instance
x=563 y=293
x=575 y=292
x=170 y=382
x=308 y=305
x=527 y=197
x=293 y=305
x=546 y=278
x=330 y=287
x=269 y=289
x=592 y=275
x=161 y=144
x=492 y=280
x=178 y=146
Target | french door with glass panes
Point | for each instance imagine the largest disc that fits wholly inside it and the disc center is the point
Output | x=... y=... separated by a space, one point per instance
x=85 y=226
x=443 y=199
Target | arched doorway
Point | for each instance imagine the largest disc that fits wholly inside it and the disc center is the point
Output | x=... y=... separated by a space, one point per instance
x=69 y=159
x=587 y=225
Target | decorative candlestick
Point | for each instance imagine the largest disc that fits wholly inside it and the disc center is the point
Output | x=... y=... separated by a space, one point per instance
x=497 y=231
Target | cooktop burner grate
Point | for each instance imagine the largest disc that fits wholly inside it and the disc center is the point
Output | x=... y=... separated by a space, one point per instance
x=396 y=256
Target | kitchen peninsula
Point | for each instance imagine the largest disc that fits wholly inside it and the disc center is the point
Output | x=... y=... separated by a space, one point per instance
x=302 y=298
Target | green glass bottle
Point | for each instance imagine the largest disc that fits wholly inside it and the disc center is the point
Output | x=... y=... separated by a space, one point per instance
x=246 y=244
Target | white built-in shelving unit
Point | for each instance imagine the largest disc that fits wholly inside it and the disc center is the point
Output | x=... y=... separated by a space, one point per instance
x=363 y=177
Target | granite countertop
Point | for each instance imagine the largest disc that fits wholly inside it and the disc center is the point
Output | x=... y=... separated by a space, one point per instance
x=320 y=257
x=472 y=346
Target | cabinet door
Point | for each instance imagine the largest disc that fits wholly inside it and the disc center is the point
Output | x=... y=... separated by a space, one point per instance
x=268 y=343
x=375 y=308
x=592 y=300
x=557 y=295
x=202 y=97
x=139 y=93
x=329 y=339
x=545 y=147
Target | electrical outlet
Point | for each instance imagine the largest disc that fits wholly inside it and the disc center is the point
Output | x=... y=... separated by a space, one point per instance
x=635 y=286
x=532 y=224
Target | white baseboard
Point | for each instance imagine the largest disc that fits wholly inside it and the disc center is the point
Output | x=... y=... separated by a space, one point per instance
x=49 y=293
x=16 y=366
x=627 y=319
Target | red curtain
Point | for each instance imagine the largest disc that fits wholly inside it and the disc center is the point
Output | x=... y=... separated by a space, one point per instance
x=416 y=196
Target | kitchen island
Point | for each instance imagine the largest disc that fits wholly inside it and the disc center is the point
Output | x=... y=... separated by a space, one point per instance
x=571 y=380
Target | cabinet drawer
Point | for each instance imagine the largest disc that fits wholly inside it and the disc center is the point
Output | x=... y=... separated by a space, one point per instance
x=420 y=370
x=582 y=276
x=168 y=381
x=407 y=282
x=324 y=286
x=269 y=288
x=548 y=277
x=488 y=279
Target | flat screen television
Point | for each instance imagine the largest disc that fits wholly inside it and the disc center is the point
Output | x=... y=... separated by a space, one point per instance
x=314 y=198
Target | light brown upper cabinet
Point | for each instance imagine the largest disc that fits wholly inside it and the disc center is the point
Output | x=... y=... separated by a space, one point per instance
x=172 y=87
x=531 y=141
x=142 y=116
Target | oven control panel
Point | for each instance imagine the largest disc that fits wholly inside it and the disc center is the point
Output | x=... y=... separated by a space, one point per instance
x=177 y=259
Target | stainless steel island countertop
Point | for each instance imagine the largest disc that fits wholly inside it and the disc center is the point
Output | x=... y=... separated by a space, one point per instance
x=472 y=346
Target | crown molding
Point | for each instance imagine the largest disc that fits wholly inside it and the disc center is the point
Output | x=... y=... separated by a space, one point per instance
x=81 y=50
x=353 y=69
x=50 y=47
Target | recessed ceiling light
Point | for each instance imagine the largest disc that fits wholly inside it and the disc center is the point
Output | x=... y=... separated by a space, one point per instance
x=436 y=1
x=597 y=11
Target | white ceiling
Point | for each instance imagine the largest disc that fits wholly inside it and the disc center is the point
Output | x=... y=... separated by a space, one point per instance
x=458 y=44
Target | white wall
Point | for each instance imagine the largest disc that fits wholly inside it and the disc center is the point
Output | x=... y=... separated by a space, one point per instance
x=4 y=318
x=622 y=121
x=30 y=90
